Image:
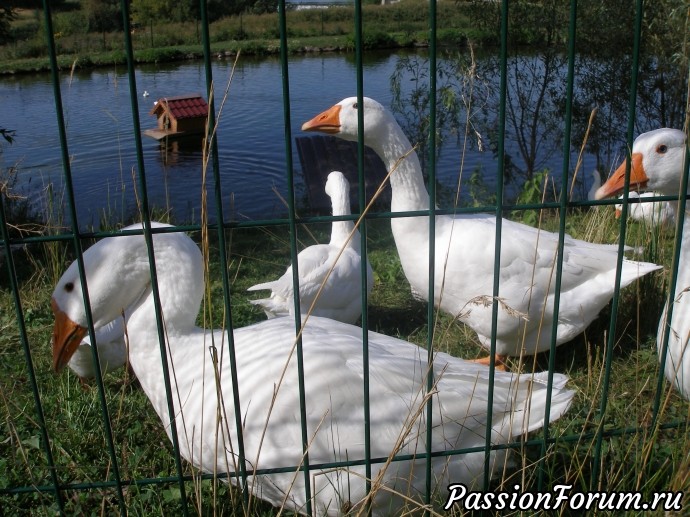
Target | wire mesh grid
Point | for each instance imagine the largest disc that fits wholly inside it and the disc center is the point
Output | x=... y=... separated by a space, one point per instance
x=588 y=441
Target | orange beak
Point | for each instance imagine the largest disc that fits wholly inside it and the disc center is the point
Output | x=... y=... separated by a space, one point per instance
x=326 y=122
x=67 y=336
x=616 y=183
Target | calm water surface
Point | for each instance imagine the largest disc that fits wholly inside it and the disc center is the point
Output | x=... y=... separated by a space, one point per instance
x=251 y=134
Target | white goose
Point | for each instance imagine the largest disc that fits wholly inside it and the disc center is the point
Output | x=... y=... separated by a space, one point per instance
x=596 y=183
x=117 y=274
x=658 y=159
x=657 y=213
x=341 y=295
x=465 y=252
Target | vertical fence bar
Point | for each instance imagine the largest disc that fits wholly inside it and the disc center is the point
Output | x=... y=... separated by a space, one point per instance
x=621 y=249
x=282 y=15
x=220 y=218
x=432 y=250
x=359 y=70
x=146 y=217
x=499 y=226
x=563 y=202
x=23 y=338
x=76 y=242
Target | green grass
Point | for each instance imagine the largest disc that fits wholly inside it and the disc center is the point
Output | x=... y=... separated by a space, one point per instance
x=629 y=462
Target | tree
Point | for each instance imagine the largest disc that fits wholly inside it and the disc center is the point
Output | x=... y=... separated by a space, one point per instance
x=104 y=16
x=411 y=99
x=605 y=83
x=7 y=14
x=535 y=86
x=146 y=12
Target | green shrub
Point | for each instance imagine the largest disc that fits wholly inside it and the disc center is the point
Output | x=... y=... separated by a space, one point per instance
x=71 y=23
x=372 y=38
x=157 y=55
x=451 y=37
x=33 y=48
x=24 y=31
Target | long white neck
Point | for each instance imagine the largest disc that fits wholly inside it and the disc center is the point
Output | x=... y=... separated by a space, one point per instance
x=407 y=181
x=341 y=229
x=180 y=285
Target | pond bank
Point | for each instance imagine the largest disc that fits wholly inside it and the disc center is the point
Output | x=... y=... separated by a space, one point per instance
x=194 y=52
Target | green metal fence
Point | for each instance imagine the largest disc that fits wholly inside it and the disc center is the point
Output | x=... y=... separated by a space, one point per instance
x=591 y=439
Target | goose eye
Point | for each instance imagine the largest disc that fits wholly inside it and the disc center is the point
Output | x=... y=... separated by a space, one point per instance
x=662 y=149
x=355 y=106
x=69 y=287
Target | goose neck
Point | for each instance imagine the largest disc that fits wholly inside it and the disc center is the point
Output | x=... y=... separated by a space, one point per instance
x=340 y=230
x=407 y=181
x=180 y=281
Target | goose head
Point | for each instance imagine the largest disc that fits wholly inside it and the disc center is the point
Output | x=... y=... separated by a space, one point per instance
x=657 y=162
x=342 y=120
x=104 y=269
x=118 y=277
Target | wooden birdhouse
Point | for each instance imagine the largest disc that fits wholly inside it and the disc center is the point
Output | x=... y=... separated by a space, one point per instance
x=179 y=116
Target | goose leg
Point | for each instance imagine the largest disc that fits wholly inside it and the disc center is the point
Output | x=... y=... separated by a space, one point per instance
x=499 y=362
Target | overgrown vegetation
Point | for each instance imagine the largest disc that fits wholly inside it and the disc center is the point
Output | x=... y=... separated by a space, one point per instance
x=143 y=450
x=159 y=38
x=635 y=456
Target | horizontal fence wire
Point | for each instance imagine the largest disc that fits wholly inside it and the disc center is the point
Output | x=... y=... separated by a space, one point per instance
x=186 y=483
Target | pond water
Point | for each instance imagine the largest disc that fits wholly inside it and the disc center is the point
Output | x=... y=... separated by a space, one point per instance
x=251 y=137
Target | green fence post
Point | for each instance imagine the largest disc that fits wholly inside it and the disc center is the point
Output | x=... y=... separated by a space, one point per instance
x=499 y=226
x=220 y=219
x=293 y=249
x=78 y=247
x=359 y=68
x=601 y=416
x=148 y=235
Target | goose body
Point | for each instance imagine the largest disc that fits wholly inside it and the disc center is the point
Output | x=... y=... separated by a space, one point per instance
x=117 y=273
x=658 y=162
x=341 y=295
x=655 y=213
x=465 y=247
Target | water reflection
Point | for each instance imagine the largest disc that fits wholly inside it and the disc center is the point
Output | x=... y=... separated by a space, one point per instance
x=181 y=152
x=251 y=129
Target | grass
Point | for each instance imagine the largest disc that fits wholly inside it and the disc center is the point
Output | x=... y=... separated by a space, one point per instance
x=631 y=461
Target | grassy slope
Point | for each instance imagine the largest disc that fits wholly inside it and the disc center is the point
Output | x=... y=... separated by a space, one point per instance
x=400 y=25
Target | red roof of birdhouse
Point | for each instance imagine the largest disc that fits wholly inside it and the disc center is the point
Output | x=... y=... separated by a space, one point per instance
x=182 y=106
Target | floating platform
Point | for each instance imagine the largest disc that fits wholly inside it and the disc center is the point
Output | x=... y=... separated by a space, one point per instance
x=161 y=134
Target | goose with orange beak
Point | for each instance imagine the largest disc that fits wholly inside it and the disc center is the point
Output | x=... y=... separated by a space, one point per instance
x=262 y=402
x=658 y=162
x=465 y=251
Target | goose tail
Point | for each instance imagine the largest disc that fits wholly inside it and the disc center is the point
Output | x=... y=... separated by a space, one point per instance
x=528 y=401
